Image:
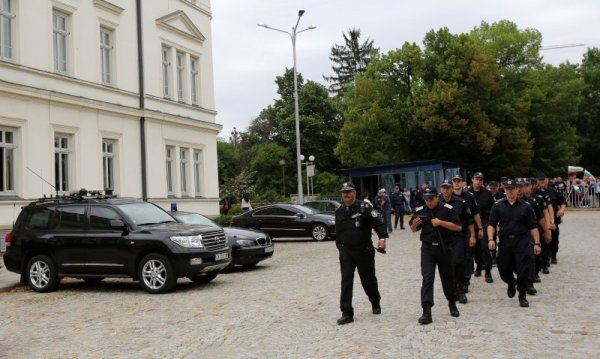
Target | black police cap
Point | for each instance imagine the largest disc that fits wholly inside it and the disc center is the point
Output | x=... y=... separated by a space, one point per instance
x=446 y=183
x=510 y=183
x=478 y=175
x=457 y=177
x=493 y=184
x=347 y=186
x=429 y=193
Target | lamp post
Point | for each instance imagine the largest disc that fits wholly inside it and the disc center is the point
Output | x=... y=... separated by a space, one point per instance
x=310 y=161
x=282 y=163
x=293 y=35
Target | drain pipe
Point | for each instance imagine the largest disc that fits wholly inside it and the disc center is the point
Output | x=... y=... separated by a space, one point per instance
x=140 y=48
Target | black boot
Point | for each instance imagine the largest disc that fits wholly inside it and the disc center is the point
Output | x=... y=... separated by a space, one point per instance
x=426 y=317
x=537 y=279
x=376 y=308
x=511 y=291
x=523 y=299
x=453 y=310
x=531 y=289
x=545 y=270
x=477 y=272
x=553 y=260
x=345 y=319
x=462 y=297
x=488 y=276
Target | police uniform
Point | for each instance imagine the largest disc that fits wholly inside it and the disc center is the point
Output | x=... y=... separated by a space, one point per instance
x=353 y=226
x=485 y=200
x=516 y=221
x=437 y=245
x=539 y=216
x=557 y=201
x=461 y=246
x=470 y=251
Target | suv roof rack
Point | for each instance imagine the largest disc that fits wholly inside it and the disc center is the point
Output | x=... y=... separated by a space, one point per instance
x=75 y=196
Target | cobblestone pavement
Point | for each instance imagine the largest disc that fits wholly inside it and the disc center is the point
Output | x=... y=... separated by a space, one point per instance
x=287 y=307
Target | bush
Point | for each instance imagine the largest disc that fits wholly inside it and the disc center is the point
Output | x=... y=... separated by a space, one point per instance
x=223 y=220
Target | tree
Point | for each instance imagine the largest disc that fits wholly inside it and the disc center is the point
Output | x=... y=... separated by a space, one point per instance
x=228 y=156
x=349 y=59
x=588 y=121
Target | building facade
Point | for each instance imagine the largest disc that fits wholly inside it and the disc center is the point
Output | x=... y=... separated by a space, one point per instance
x=81 y=108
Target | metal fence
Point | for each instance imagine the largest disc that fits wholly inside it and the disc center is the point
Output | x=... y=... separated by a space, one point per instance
x=581 y=196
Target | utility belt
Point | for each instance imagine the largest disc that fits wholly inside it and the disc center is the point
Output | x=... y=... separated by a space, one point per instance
x=513 y=236
x=435 y=243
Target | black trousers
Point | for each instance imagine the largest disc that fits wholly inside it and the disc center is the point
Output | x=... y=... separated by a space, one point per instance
x=432 y=256
x=553 y=246
x=399 y=215
x=364 y=262
x=481 y=252
x=515 y=255
x=458 y=252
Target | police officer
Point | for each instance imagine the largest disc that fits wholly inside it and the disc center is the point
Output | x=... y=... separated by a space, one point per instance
x=354 y=221
x=458 y=185
x=557 y=211
x=399 y=204
x=460 y=246
x=519 y=240
x=485 y=201
x=539 y=208
x=438 y=224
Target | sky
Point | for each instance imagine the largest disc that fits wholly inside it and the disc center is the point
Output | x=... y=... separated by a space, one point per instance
x=247 y=58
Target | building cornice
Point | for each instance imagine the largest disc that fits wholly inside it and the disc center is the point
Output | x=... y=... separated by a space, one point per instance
x=206 y=12
x=108 y=6
x=192 y=33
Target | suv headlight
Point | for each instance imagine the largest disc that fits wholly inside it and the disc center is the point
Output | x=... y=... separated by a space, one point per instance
x=188 y=241
x=246 y=242
x=331 y=221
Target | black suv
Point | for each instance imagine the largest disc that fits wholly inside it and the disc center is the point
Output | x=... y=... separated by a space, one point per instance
x=97 y=236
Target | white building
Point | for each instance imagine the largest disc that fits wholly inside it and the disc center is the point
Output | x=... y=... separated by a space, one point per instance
x=71 y=112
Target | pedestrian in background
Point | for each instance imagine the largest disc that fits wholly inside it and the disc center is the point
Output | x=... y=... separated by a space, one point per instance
x=399 y=205
x=354 y=221
x=246 y=205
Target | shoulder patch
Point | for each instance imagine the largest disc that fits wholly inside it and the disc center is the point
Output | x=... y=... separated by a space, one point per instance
x=419 y=208
x=374 y=214
x=448 y=206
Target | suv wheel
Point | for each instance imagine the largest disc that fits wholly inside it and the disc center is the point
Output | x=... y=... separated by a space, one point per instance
x=204 y=278
x=156 y=274
x=319 y=232
x=41 y=274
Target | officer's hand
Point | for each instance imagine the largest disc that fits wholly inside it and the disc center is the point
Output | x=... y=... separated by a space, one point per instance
x=381 y=244
x=491 y=245
x=537 y=250
x=436 y=222
x=561 y=213
x=553 y=226
x=480 y=234
x=472 y=241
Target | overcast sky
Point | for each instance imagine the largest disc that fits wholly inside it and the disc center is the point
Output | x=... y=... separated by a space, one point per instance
x=247 y=58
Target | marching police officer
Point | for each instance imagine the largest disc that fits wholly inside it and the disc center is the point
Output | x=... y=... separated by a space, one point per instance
x=518 y=234
x=460 y=246
x=557 y=211
x=354 y=221
x=485 y=201
x=438 y=224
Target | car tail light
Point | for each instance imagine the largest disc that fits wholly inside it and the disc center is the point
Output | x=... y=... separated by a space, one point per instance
x=232 y=220
x=7 y=239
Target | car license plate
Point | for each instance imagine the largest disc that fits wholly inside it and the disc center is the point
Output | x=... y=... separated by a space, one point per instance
x=268 y=249
x=220 y=256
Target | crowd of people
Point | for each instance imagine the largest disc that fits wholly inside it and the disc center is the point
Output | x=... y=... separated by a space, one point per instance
x=464 y=231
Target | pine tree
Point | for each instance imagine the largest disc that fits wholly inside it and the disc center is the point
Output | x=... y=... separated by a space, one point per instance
x=348 y=60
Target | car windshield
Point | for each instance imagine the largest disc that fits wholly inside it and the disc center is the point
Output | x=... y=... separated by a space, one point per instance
x=194 y=218
x=305 y=209
x=146 y=213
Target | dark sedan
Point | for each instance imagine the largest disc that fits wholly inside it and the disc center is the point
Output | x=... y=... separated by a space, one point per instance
x=323 y=206
x=288 y=220
x=248 y=247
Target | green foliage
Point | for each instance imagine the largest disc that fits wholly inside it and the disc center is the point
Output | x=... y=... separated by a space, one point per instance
x=235 y=187
x=229 y=161
x=327 y=184
x=588 y=121
x=349 y=60
x=223 y=220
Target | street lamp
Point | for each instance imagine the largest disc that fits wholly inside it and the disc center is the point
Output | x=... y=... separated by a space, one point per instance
x=296 y=111
x=282 y=163
x=308 y=163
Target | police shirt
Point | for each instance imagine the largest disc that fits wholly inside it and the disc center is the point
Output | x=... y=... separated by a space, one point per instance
x=485 y=200
x=353 y=225
x=471 y=201
x=429 y=233
x=557 y=200
x=463 y=211
x=537 y=210
x=516 y=219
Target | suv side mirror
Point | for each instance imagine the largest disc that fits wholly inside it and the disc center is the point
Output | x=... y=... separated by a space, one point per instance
x=300 y=215
x=117 y=224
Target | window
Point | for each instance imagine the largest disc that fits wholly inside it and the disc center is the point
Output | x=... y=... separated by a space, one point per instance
x=194 y=80
x=170 y=173
x=6 y=29
x=61 y=162
x=197 y=171
x=60 y=33
x=183 y=162
x=43 y=218
x=100 y=217
x=108 y=164
x=72 y=217
x=106 y=52
x=166 y=68
x=7 y=161
x=180 y=76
